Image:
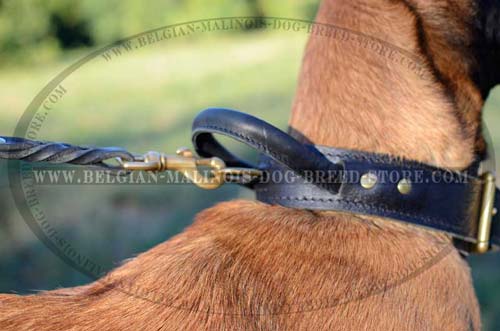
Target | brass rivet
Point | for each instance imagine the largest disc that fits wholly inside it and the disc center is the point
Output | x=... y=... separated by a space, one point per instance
x=3 y=141
x=404 y=186
x=368 y=180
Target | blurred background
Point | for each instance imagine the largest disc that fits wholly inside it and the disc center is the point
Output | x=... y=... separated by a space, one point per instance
x=146 y=101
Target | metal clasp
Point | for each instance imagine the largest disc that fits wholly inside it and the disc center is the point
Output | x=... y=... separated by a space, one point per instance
x=185 y=162
x=487 y=212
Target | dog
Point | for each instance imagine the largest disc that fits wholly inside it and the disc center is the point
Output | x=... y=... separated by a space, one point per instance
x=245 y=265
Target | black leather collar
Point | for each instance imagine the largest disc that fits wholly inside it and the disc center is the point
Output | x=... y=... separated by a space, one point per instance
x=324 y=178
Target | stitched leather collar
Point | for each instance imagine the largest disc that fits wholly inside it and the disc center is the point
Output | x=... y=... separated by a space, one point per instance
x=324 y=178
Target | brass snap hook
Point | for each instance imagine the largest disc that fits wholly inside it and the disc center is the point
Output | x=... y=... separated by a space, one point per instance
x=191 y=170
x=185 y=162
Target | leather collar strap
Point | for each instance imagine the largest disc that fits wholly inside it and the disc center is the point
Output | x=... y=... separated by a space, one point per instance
x=324 y=178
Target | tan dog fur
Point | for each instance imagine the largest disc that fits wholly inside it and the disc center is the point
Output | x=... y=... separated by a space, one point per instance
x=248 y=266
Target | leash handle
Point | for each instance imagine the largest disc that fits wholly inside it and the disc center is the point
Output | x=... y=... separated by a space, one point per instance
x=270 y=141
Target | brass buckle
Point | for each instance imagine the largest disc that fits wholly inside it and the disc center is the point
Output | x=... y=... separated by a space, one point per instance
x=185 y=162
x=487 y=212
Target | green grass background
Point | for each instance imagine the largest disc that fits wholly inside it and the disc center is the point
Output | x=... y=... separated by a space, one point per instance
x=146 y=101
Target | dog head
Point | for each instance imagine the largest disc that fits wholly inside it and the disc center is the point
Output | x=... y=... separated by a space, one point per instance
x=352 y=97
x=461 y=41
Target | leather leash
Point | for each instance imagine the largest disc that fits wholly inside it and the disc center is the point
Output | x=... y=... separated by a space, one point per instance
x=462 y=204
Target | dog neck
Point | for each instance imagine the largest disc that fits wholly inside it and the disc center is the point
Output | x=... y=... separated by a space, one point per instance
x=360 y=89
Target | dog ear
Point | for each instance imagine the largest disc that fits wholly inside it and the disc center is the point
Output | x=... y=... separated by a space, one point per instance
x=486 y=45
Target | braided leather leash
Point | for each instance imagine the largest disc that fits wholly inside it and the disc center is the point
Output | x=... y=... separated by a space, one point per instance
x=101 y=158
x=12 y=148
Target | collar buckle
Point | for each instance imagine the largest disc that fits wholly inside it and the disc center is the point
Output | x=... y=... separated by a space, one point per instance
x=487 y=212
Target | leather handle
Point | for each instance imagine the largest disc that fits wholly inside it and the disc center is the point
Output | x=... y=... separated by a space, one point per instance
x=263 y=137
